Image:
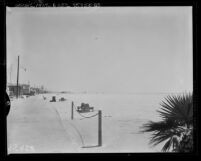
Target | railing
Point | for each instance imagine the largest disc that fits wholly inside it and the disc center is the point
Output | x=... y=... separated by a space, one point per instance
x=99 y=114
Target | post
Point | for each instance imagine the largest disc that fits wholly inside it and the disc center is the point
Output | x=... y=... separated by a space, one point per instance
x=10 y=73
x=99 y=128
x=72 y=110
x=18 y=76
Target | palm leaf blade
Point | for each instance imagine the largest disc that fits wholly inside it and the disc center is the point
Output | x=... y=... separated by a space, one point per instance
x=176 y=112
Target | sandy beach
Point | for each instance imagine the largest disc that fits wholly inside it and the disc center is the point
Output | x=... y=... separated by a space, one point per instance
x=123 y=61
x=120 y=122
x=39 y=126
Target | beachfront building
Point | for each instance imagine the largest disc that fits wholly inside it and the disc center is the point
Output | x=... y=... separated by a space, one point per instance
x=35 y=90
x=23 y=89
x=12 y=89
x=38 y=90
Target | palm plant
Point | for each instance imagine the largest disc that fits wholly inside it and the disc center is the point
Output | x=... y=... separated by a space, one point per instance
x=176 y=126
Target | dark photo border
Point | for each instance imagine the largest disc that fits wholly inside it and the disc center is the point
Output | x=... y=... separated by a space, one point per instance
x=59 y=3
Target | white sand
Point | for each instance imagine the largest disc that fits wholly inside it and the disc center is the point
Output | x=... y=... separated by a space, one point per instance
x=37 y=125
x=122 y=117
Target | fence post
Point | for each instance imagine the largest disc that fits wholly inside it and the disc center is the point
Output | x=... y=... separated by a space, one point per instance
x=72 y=110
x=99 y=128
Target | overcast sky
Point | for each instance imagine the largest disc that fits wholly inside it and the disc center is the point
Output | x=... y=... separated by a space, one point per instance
x=119 y=49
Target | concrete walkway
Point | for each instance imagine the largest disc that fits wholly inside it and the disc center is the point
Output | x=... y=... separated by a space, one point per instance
x=34 y=127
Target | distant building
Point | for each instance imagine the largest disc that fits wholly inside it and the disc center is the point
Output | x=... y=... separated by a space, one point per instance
x=12 y=89
x=34 y=90
x=38 y=90
x=23 y=89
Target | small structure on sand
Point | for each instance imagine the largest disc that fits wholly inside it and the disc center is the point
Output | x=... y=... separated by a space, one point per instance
x=62 y=99
x=53 y=99
x=85 y=108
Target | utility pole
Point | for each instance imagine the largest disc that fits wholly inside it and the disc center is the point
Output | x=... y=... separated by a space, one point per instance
x=10 y=73
x=18 y=61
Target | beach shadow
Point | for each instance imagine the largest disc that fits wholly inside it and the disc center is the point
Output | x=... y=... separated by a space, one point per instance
x=91 y=146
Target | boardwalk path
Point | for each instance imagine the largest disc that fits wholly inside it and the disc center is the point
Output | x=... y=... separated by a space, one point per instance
x=33 y=126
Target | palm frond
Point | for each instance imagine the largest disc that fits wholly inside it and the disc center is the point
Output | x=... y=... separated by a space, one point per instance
x=158 y=126
x=160 y=137
x=167 y=145
x=176 y=113
x=177 y=108
x=161 y=131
